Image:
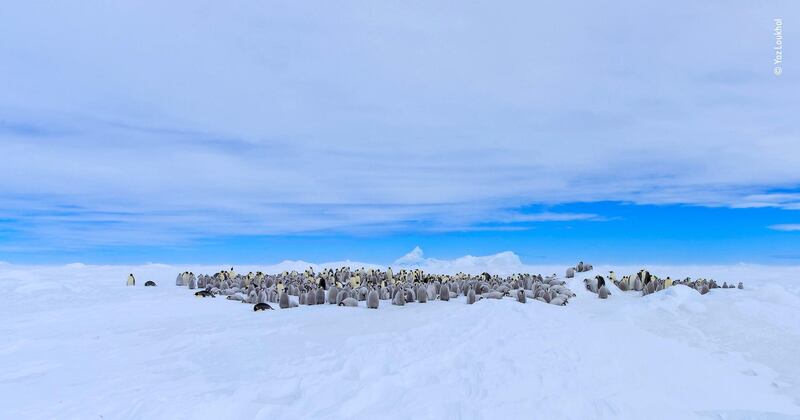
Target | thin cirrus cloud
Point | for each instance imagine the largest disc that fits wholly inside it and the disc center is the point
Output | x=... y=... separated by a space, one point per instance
x=182 y=119
x=788 y=227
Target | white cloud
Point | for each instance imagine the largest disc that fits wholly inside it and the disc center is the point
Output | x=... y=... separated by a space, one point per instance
x=240 y=118
x=786 y=227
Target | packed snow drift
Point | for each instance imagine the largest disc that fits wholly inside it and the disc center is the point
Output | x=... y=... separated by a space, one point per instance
x=78 y=344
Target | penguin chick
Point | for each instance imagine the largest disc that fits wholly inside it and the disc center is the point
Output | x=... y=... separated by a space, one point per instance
x=422 y=295
x=399 y=298
x=603 y=292
x=372 y=299
x=444 y=293
x=349 y=302
x=521 y=296
x=471 y=296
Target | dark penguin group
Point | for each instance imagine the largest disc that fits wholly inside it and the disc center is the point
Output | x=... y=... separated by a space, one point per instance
x=348 y=288
x=579 y=268
x=647 y=283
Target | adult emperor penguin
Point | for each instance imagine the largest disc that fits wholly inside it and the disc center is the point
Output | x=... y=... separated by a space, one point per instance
x=600 y=281
x=372 y=299
x=149 y=283
x=131 y=280
x=204 y=294
x=261 y=307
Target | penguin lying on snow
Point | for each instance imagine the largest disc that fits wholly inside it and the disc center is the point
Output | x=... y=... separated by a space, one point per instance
x=350 y=302
x=204 y=294
x=149 y=283
x=261 y=307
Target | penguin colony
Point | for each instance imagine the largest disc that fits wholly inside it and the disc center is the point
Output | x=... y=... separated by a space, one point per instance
x=647 y=283
x=579 y=268
x=349 y=288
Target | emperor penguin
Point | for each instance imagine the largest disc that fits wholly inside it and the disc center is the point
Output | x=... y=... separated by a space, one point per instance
x=332 y=293
x=320 y=296
x=622 y=284
x=283 y=301
x=399 y=298
x=131 y=280
x=179 y=280
x=149 y=283
x=704 y=289
x=601 y=281
x=193 y=282
x=740 y=286
x=311 y=298
x=422 y=294
x=570 y=272
x=372 y=299
x=521 y=296
x=637 y=284
x=341 y=296
x=602 y=292
x=261 y=306
x=350 y=302
x=471 y=296
x=389 y=275
x=444 y=293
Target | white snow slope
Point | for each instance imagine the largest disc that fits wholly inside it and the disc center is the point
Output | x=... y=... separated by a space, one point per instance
x=75 y=343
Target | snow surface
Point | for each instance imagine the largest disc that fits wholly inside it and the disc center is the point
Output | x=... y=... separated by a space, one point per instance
x=77 y=344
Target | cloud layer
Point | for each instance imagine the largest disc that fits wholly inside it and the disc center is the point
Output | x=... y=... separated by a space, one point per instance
x=136 y=122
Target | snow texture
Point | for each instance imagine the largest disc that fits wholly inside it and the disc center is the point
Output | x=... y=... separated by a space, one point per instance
x=78 y=344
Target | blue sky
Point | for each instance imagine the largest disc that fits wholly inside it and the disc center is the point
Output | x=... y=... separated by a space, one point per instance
x=254 y=132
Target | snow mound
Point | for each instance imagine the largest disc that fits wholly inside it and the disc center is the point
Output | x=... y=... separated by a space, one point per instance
x=503 y=263
x=77 y=343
